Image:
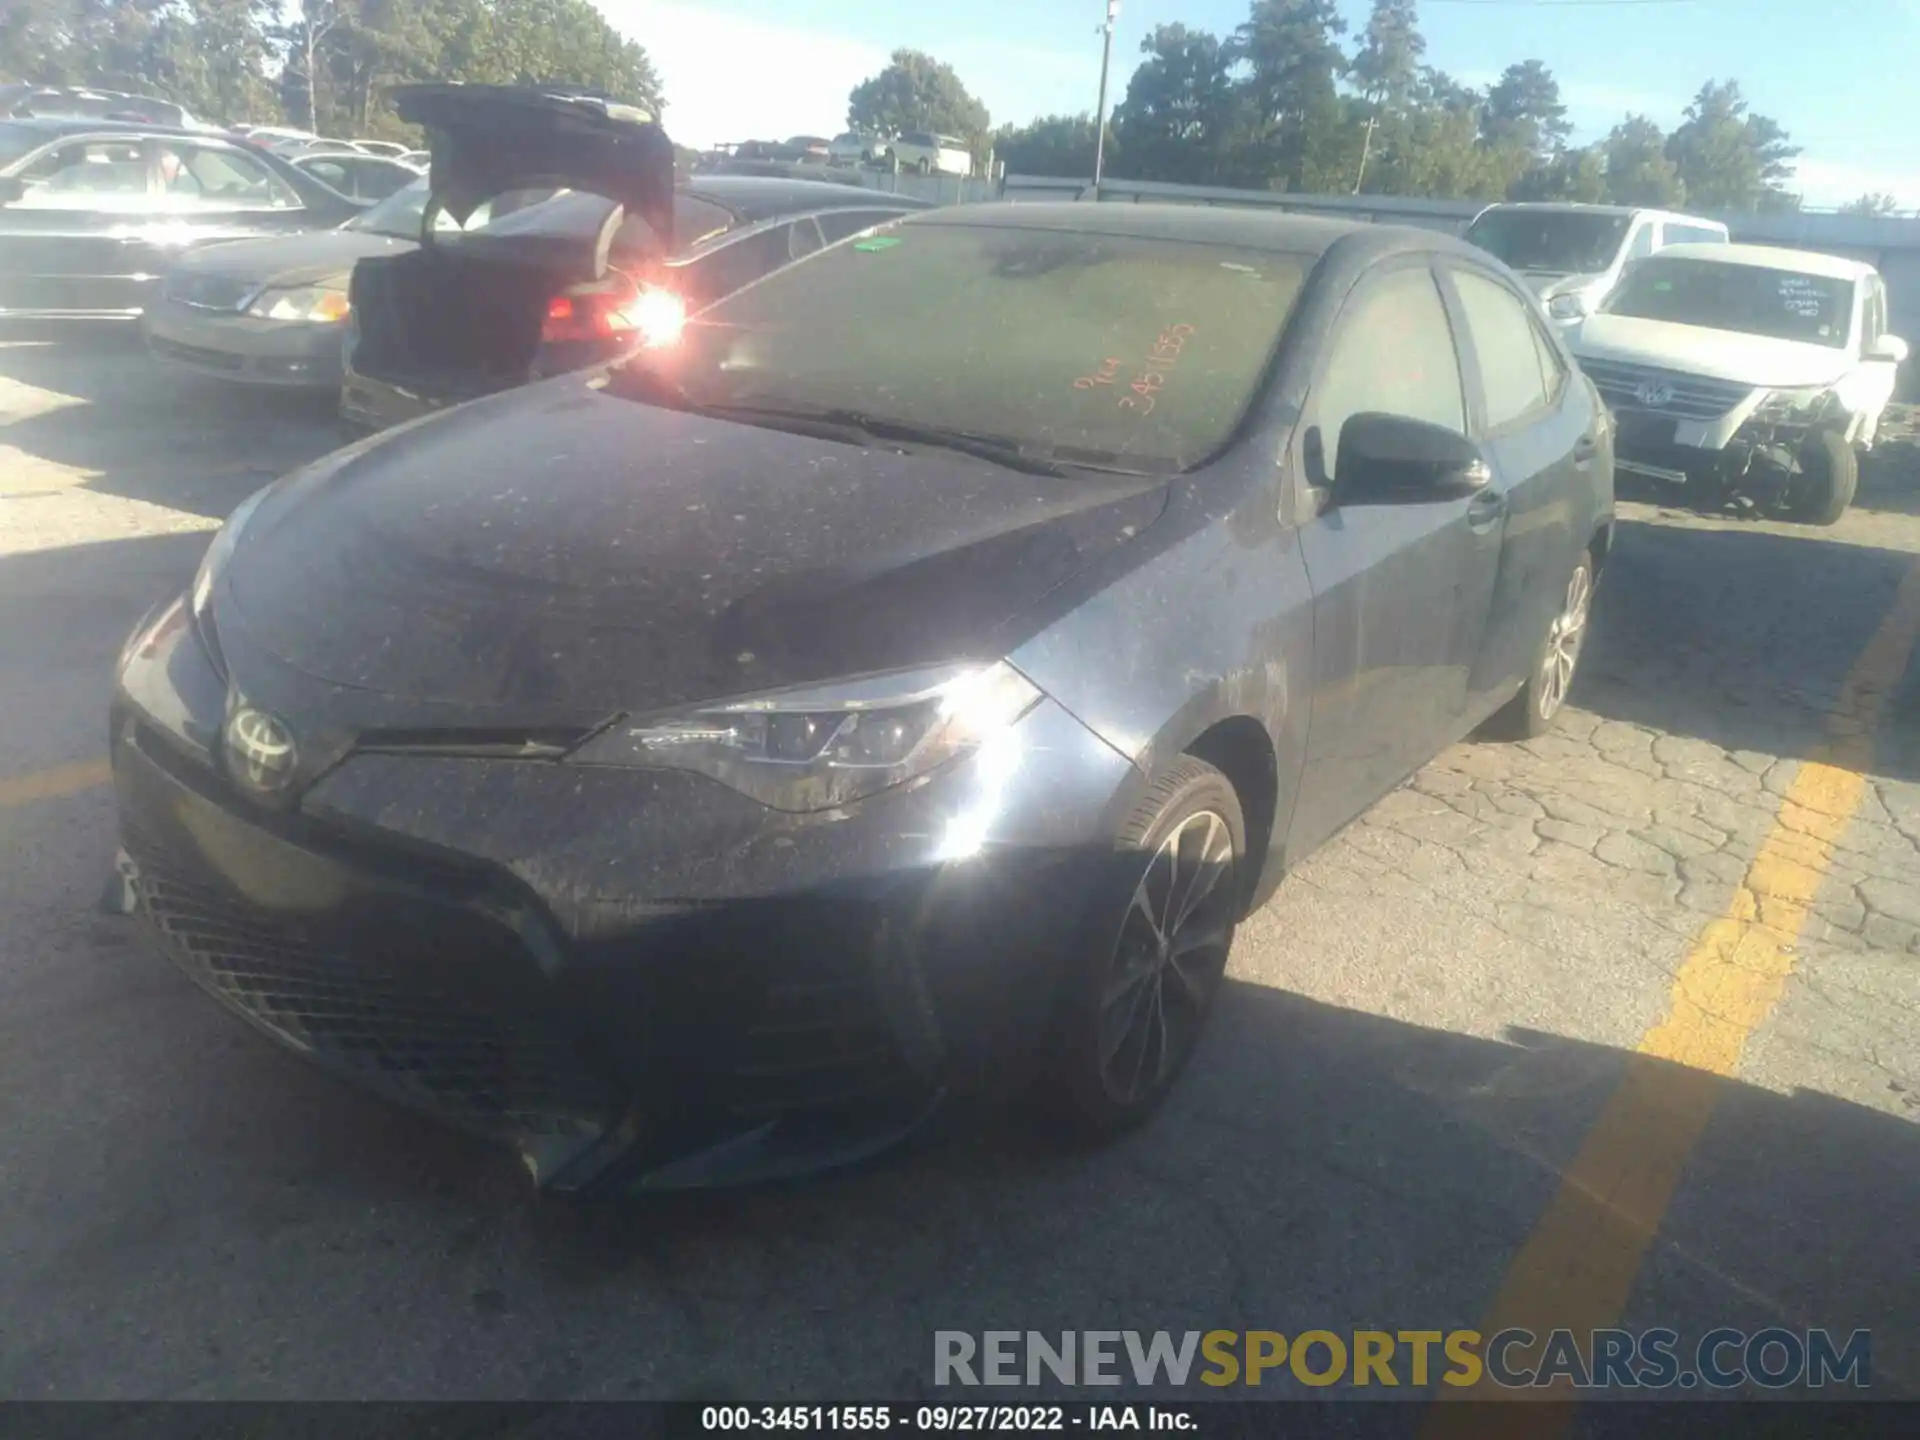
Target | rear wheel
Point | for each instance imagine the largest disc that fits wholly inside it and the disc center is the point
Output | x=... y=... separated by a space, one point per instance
x=1533 y=711
x=1829 y=474
x=1141 y=991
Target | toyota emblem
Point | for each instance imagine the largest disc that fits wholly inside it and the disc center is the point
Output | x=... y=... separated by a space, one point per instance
x=1653 y=393
x=260 y=750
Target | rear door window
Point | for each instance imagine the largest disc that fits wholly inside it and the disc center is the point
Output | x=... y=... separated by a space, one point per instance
x=837 y=225
x=1508 y=351
x=730 y=266
x=206 y=177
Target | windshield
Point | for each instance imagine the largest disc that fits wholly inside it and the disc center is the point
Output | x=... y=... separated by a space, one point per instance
x=1139 y=354
x=1751 y=299
x=1556 y=242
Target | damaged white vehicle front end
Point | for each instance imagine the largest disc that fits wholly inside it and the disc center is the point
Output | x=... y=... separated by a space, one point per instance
x=1750 y=377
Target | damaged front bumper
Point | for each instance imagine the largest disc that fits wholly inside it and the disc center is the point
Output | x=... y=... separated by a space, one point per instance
x=635 y=979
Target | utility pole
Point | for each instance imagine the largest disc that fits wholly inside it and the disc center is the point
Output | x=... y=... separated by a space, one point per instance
x=1100 y=114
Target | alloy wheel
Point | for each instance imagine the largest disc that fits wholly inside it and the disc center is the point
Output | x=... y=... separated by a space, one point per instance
x=1171 y=954
x=1564 y=639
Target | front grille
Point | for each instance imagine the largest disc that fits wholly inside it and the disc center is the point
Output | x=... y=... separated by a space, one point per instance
x=194 y=354
x=1691 y=397
x=432 y=1005
x=209 y=292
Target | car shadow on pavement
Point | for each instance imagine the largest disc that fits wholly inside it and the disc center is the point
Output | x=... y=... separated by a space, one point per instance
x=1319 y=1168
x=1741 y=637
x=134 y=428
x=1890 y=480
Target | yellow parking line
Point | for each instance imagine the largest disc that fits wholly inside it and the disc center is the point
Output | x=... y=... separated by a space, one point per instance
x=51 y=784
x=1578 y=1268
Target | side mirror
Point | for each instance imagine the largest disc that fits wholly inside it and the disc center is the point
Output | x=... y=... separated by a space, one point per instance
x=1391 y=460
x=11 y=189
x=1888 y=347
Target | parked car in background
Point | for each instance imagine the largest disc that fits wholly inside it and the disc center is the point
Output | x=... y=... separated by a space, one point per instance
x=269 y=134
x=809 y=149
x=273 y=311
x=928 y=154
x=62 y=101
x=392 y=149
x=1573 y=255
x=575 y=280
x=418 y=158
x=855 y=149
x=92 y=213
x=363 y=177
x=1746 y=372
x=843 y=710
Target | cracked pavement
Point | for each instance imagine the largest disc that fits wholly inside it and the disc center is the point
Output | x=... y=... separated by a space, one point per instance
x=1420 y=1030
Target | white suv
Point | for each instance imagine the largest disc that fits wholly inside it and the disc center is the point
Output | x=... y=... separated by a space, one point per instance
x=1573 y=255
x=929 y=154
x=1745 y=373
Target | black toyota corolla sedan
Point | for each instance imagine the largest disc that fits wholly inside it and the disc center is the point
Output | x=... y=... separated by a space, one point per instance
x=894 y=690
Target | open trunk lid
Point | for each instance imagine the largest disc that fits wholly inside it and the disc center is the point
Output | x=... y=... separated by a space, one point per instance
x=461 y=316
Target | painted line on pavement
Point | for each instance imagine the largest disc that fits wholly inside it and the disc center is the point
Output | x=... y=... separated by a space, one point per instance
x=1578 y=1268
x=61 y=780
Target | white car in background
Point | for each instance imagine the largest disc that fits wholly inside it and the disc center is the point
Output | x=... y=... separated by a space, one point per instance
x=929 y=154
x=855 y=149
x=1745 y=373
x=1572 y=255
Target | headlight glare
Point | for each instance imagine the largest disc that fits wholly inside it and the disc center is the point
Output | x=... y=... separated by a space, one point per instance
x=822 y=746
x=317 y=304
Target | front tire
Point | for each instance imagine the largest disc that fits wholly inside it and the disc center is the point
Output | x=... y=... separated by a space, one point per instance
x=1139 y=994
x=1829 y=475
x=1540 y=701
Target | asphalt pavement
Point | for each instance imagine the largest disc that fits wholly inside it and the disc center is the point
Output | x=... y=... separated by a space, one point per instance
x=1614 y=1027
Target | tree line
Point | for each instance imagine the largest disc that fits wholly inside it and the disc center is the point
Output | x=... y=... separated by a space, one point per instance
x=321 y=65
x=1291 y=101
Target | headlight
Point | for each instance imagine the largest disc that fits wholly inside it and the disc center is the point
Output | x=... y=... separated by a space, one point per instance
x=1804 y=404
x=828 y=745
x=214 y=562
x=1570 y=306
x=316 y=303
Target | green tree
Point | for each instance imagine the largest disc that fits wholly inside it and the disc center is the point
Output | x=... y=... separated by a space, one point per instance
x=916 y=92
x=1053 y=145
x=1730 y=158
x=1178 y=120
x=1386 y=73
x=1579 y=175
x=1638 y=170
x=1524 y=112
x=1293 y=63
x=1873 y=203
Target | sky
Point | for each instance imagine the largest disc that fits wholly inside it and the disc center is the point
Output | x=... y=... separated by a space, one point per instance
x=767 y=69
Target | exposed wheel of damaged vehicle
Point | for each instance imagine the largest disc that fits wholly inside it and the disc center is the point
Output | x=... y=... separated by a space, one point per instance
x=711 y=765
x=1829 y=474
x=1745 y=375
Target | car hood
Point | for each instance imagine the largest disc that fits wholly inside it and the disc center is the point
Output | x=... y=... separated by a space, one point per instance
x=1717 y=354
x=559 y=551
x=488 y=139
x=307 y=259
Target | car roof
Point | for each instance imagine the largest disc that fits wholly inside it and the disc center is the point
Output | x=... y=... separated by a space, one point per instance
x=1247 y=228
x=1581 y=207
x=1774 y=257
x=54 y=126
x=761 y=197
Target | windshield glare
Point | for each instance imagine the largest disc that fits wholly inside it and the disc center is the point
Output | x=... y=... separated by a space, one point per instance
x=1751 y=299
x=1554 y=242
x=1139 y=354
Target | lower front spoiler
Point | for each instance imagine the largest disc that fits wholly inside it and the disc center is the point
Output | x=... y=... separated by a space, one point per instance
x=707 y=1050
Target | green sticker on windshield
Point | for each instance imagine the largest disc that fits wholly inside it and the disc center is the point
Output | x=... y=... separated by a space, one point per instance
x=877 y=242
x=1661 y=287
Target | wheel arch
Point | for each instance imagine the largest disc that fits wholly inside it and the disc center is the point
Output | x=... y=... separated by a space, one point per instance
x=1240 y=747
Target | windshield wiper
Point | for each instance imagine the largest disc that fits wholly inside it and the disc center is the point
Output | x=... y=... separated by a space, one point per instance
x=992 y=448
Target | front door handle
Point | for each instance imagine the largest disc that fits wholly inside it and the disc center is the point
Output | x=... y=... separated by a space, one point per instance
x=1485 y=508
